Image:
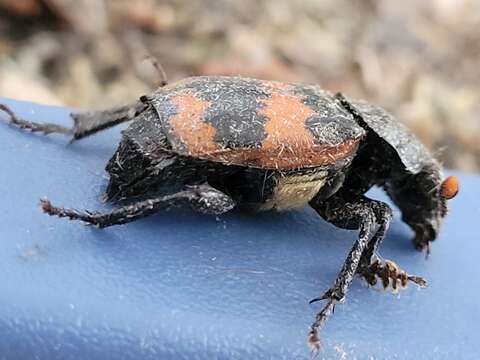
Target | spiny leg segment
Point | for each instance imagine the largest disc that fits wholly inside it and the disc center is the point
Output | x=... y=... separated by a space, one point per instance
x=45 y=128
x=202 y=198
x=89 y=123
x=371 y=268
x=344 y=278
x=372 y=218
x=85 y=124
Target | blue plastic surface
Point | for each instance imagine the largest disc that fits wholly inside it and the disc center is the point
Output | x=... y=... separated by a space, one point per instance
x=179 y=285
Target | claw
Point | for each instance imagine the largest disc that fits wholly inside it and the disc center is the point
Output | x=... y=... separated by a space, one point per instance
x=427 y=248
x=314 y=342
x=327 y=295
x=418 y=280
x=321 y=317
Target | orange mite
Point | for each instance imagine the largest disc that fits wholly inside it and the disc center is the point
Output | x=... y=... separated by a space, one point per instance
x=450 y=187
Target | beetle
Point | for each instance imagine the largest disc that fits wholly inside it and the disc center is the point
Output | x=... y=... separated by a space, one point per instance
x=218 y=143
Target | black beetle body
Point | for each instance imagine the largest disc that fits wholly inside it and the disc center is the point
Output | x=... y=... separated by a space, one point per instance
x=217 y=143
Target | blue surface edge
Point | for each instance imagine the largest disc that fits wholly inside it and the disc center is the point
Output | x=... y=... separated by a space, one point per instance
x=179 y=285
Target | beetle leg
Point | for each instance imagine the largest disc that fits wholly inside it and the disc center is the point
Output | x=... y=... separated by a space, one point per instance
x=358 y=215
x=89 y=123
x=372 y=268
x=383 y=216
x=202 y=198
x=45 y=128
x=371 y=217
x=390 y=274
x=85 y=124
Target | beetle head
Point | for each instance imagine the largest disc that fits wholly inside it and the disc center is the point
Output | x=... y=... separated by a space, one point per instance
x=422 y=198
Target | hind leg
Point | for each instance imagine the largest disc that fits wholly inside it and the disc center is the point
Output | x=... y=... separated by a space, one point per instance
x=45 y=128
x=85 y=124
x=202 y=198
x=89 y=123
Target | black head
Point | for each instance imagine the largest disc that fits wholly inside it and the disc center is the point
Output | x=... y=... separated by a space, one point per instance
x=422 y=198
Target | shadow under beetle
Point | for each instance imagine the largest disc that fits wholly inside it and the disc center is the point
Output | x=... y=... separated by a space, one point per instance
x=216 y=143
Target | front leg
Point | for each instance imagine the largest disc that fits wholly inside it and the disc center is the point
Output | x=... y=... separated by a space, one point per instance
x=372 y=219
x=350 y=215
x=371 y=268
x=202 y=198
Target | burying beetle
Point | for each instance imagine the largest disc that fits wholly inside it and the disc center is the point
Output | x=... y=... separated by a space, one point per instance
x=217 y=143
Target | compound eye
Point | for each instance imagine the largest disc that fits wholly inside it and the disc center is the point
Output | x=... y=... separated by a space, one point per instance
x=450 y=187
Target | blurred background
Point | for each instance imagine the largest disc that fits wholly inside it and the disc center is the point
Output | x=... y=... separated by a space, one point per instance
x=420 y=59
